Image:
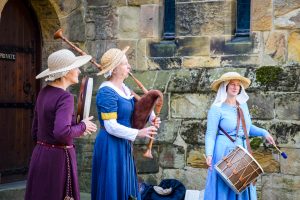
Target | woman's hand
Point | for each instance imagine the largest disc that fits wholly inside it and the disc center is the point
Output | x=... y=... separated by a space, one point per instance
x=156 y=122
x=90 y=126
x=208 y=162
x=147 y=132
x=270 y=139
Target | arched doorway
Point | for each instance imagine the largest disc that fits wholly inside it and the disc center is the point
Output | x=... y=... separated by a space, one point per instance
x=20 y=60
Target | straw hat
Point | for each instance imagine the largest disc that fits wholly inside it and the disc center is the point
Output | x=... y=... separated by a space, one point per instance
x=230 y=76
x=111 y=59
x=63 y=60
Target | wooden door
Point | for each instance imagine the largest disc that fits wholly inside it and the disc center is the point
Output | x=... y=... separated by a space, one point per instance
x=20 y=59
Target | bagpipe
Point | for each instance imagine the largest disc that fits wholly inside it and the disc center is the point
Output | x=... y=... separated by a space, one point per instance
x=143 y=107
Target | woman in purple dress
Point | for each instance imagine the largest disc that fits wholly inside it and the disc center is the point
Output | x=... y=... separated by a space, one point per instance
x=53 y=168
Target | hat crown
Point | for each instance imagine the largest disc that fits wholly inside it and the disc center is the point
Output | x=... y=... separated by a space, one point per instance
x=230 y=74
x=61 y=59
x=109 y=56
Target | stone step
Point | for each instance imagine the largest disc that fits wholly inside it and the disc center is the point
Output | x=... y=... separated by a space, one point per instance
x=16 y=191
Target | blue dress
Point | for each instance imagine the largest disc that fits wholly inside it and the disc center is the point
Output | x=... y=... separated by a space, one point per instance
x=113 y=172
x=218 y=145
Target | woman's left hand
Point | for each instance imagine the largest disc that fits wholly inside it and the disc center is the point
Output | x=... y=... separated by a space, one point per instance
x=156 y=122
x=270 y=139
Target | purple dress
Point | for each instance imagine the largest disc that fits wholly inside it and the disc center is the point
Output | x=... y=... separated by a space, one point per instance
x=53 y=123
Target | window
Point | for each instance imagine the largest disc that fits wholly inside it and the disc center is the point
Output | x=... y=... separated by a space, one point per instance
x=169 y=20
x=243 y=18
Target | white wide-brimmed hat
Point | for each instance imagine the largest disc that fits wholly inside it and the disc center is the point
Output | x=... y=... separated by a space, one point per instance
x=63 y=60
x=230 y=76
x=111 y=59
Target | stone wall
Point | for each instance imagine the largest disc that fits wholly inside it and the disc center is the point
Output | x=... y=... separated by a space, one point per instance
x=183 y=69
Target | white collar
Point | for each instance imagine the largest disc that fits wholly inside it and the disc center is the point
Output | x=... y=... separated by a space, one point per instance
x=126 y=95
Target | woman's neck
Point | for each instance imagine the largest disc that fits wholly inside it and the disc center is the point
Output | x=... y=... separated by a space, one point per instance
x=117 y=82
x=231 y=101
x=60 y=84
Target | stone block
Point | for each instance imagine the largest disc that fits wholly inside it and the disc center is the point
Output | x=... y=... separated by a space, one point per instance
x=44 y=10
x=193 y=131
x=171 y=156
x=193 y=46
x=128 y=26
x=221 y=46
x=141 y=55
x=287 y=134
x=290 y=165
x=287 y=106
x=147 y=78
x=280 y=186
x=146 y=165
x=168 y=131
x=200 y=18
x=190 y=106
x=162 y=49
x=106 y=21
x=162 y=80
x=201 y=62
x=282 y=7
x=151 y=21
x=240 y=61
x=294 y=46
x=131 y=53
x=114 y=3
x=48 y=27
x=164 y=63
x=261 y=15
x=142 y=2
x=192 y=178
x=65 y=7
x=195 y=157
x=261 y=105
x=274 y=78
x=152 y=179
x=275 y=45
x=290 y=20
x=184 y=81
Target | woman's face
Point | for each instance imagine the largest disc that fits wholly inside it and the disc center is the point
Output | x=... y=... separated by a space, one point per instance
x=72 y=75
x=123 y=69
x=233 y=88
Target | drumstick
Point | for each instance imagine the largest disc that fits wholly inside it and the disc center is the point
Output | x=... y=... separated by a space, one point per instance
x=283 y=154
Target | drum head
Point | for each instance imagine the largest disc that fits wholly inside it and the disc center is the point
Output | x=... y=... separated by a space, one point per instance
x=88 y=98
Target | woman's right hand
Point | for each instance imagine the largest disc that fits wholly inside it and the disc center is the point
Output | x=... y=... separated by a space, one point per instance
x=90 y=126
x=208 y=161
x=147 y=132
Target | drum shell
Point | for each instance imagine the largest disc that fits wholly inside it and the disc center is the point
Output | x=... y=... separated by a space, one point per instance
x=238 y=169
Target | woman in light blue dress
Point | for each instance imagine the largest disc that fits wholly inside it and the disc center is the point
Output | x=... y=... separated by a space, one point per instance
x=113 y=172
x=223 y=112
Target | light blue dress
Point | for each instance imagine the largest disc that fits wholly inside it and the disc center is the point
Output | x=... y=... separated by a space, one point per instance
x=218 y=145
x=113 y=172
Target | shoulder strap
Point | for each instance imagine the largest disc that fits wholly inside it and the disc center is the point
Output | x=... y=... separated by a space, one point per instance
x=241 y=116
x=229 y=137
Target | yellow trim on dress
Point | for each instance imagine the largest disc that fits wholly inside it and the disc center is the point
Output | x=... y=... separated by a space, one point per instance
x=107 y=116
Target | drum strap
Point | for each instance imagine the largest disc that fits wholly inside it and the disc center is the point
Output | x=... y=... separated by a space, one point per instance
x=240 y=117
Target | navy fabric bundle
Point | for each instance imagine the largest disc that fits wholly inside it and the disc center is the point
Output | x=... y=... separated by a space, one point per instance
x=178 y=190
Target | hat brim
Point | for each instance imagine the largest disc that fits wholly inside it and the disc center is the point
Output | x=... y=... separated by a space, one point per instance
x=80 y=61
x=115 y=64
x=244 y=81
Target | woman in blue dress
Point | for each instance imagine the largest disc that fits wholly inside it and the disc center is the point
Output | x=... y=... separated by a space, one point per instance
x=230 y=88
x=114 y=174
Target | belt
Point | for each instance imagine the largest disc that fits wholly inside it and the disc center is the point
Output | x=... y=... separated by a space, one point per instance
x=239 y=136
x=55 y=145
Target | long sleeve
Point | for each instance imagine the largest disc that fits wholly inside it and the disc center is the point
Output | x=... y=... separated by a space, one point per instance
x=256 y=131
x=213 y=118
x=118 y=130
x=63 y=128
x=34 y=128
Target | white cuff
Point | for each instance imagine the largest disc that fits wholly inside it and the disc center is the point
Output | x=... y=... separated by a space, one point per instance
x=120 y=131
